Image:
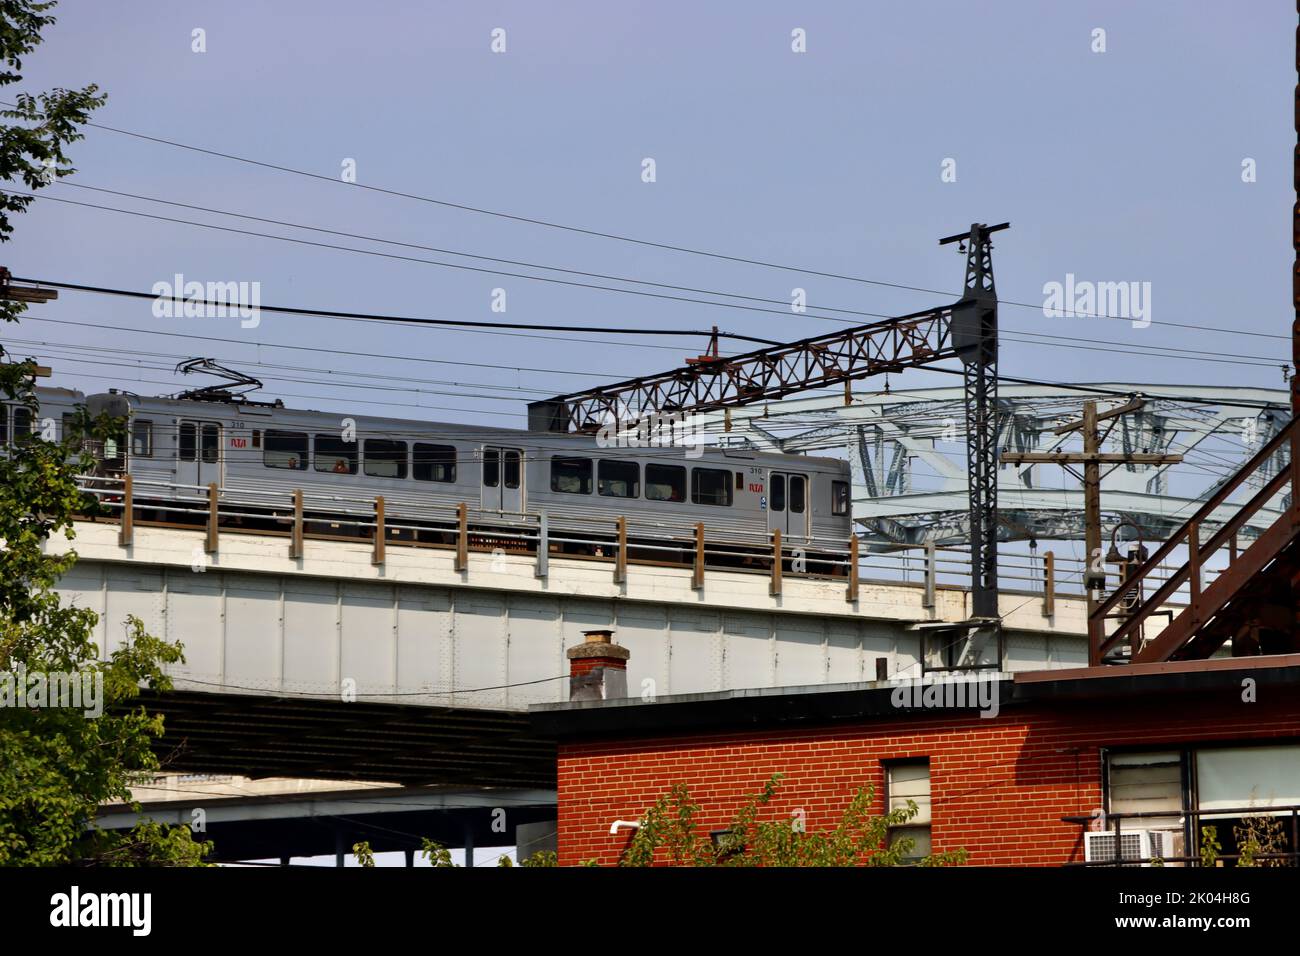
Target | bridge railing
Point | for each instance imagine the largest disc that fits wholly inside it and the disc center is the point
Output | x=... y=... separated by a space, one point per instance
x=467 y=529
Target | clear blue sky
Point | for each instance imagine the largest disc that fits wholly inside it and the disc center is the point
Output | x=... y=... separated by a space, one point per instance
x=1124 y=165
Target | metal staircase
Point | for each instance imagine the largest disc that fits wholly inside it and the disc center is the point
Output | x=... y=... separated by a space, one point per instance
x=1253 y=602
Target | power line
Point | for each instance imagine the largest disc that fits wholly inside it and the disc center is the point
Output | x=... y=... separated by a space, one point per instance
x=468 y=255
x=350 y=352
x=372 y=317
x=322 y=313
x=671 y=247
x=389 y=255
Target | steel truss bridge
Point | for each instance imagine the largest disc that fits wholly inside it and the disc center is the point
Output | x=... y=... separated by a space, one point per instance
x=909 y=464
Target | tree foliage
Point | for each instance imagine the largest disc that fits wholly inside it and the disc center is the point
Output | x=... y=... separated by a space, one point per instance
x=668 y=832
x=58 y=763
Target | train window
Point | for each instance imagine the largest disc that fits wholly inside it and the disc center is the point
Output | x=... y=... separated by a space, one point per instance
x=778 y=492
x=335 y=455
x=798 y=494
x=619 y=479
x=385 y=458
x=491 y=467
x=142 y=438
x=511 y=460
x=210 y=444
x=284 y=450
x=740 y=481
x=710 y=486
x=433 y=462
x=187 y=441
x=839 y=497
x=22 y=423
x=665 y=483
x=571 y=476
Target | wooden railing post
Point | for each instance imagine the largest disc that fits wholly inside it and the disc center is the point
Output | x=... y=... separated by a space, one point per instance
x=210 y=546
x=462 y=537
x=931 y=574
x=127 y=528
x=775 y=587
x=378 y=557
x=851 y=594
x=295 y=536
x=543 y=546
x=620 y=558
x=697 y=576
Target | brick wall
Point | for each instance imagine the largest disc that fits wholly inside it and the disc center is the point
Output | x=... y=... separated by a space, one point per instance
x=999 y=786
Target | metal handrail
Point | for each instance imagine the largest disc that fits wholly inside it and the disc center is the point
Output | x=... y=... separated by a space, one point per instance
x=1098 y=640
x=1184 y=818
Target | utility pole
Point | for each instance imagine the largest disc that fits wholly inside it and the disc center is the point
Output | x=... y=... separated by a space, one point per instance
x=975 y=335
x=1092 y=458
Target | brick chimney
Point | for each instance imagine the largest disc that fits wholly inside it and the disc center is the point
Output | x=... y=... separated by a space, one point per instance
x=597 y=667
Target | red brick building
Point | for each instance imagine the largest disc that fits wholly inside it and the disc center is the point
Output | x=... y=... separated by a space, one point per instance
x=1170 y=741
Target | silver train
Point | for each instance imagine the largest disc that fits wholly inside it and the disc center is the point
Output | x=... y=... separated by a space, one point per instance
x=256 y=451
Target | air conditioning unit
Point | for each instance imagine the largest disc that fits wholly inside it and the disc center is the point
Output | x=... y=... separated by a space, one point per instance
x=1136 y=847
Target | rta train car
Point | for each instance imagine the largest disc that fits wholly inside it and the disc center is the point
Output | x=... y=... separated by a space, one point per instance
x=255 y=450
x=57 y=410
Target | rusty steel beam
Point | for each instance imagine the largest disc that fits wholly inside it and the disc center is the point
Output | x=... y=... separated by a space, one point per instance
x=909 y=341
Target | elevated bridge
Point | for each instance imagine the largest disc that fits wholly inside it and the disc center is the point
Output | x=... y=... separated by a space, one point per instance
x=363 y=658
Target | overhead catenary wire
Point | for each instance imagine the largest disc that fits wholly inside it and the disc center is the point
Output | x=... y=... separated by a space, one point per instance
x=468 y=255
x=1215 y=358
x=605 y=234
x=785 y=311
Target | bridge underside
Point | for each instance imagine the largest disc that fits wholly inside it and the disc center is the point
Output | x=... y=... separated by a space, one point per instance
x=265 y=736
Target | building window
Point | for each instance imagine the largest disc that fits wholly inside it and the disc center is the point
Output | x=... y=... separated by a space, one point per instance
x=910 y=780
x=1264 y=777
x=840 y=497
x=571 y=476
x=433 y=462
x=142 y=438
x=1146 y=782
x=619 y=479
x=711 y=486
x=281 y=449
x=665 y=483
